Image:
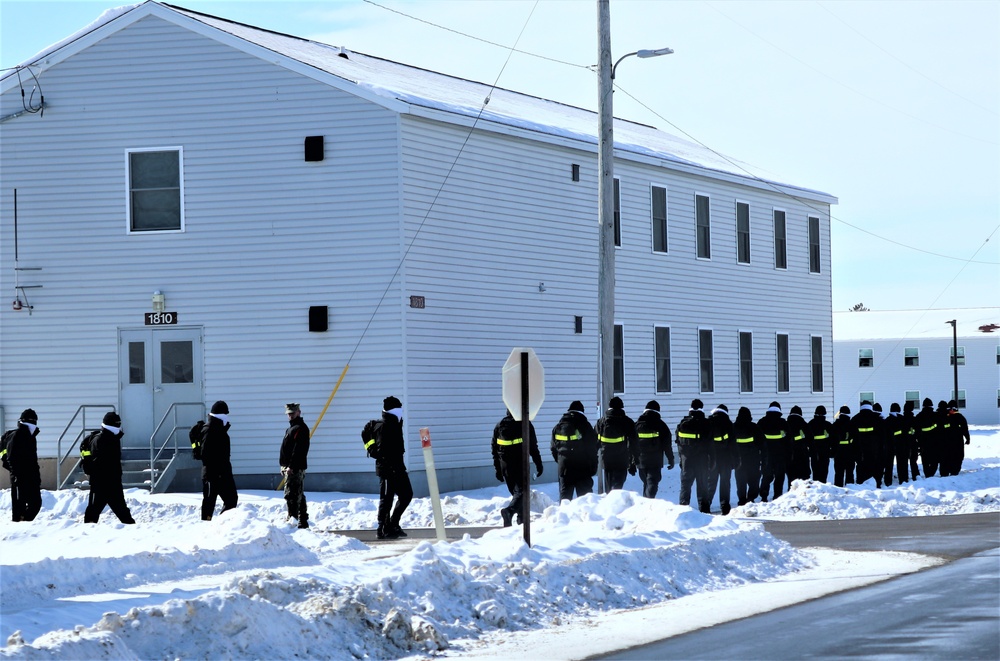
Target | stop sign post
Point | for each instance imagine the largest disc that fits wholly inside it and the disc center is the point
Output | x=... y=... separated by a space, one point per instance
x=523 y=393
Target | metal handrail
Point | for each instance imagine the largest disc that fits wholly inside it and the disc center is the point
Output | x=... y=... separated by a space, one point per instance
x=60 y=457
x=155 y=453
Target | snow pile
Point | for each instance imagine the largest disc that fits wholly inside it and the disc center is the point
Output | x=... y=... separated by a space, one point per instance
x=249 y=584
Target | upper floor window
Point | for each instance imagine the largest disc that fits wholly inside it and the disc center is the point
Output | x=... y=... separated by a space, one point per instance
x=155 y=190
x=998 y=355
x=703 y=226
x=780 y=256
x=814 y=245
x=960 y=400
x=961 y=355
x=746 y=362
x=619 y=384
x=662 y=341
x=618 y=213
x=866 y=357
x=817 y=364
x=911 y=357
x=781 y=356
x=742 y=232
x=913 y=396
x=658 y=209
x=866 y=396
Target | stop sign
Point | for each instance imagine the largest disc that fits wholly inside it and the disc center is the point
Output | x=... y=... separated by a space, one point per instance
x=512 y=383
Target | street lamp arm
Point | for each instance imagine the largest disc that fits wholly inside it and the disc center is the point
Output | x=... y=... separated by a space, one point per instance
x=644 y=53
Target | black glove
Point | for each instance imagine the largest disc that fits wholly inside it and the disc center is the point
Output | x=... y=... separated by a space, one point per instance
x=499 y=476
x=631 y=469
x=670 y=465
x=538 y=469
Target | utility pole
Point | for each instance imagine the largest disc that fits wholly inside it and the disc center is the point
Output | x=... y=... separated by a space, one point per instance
x=606 y=207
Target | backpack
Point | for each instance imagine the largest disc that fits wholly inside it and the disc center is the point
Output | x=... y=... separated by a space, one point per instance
x=4 y=440
x=648 y=431
x=87 y=459
x=370 y=436
x=195 y=437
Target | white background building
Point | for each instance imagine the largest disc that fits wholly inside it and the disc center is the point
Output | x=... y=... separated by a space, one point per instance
x=894 y=356
x=266 y=185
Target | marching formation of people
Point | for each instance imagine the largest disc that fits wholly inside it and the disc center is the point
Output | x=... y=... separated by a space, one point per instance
x=763 y=457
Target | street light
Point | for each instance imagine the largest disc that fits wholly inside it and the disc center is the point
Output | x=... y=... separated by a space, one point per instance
x=605 y=198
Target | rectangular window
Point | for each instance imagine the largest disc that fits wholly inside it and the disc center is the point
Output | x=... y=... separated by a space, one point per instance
x=575 y=171
x=866 y=357
x=177 y=362
x=703 y=226
x=742 y=232
x=961 y=355
x=911 y=357
x=662 y=339
x=914 y=397
x=137 y=362
x=814 y=245
x=781 y=356
x=817 y=364
x=707 y=368
x=960 y=400
x=618 y=213
x=154 y=191
x=998 y=355
x=619 y=384
x=659 y=218
x=780 y=257
x=746 y=362
x=866 y=396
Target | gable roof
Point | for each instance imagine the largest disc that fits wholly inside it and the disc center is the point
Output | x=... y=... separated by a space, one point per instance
x=408 y=89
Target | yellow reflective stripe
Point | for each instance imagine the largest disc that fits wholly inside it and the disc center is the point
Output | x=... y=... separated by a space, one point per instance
x=606 y=439
x=368 y=444
x=847 y=442
x=800 y=436
x=820 y=437
x=774 y=437
x=649 y=434
x=866 y=429
x=898 y=432
x=686 y=434
x=575 y=437
x=721 y=438
x=515 y=441
x=748 y=439
x=931 y=428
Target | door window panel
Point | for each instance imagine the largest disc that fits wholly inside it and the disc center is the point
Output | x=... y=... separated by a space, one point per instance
x=176 y=362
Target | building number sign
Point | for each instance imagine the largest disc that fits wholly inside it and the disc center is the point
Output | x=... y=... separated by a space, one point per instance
x=161 y=318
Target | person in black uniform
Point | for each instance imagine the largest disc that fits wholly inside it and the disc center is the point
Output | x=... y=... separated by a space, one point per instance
x=654 y=442
x=508 y=460
x=384 y=439
x=801 y=440
x=956 y=437
x=843 y=453
x=866 y=437
x=292 y=459
x=217 y=470
x=722 y=456
x=775 y=453
x=574 y=449
x=693 y=438
x=910 y=439
x=927 y=424
x=820 y=448
x=25 y=475
x=106 y=473
x=747 y=457
x=616 y=434
x=895 y=446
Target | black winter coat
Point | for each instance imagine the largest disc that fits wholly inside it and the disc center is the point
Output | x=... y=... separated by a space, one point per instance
x=215 y=447
x=654 y=441
x=389 y=446
x=107 y=457
x=504 y=456
x=581 y=448
x=295 y=445
x=615 y=424
x=779 y=446
x=22 y=455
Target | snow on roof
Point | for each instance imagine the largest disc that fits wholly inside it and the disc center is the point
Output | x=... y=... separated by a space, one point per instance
x=915 y=324
x=428 y=89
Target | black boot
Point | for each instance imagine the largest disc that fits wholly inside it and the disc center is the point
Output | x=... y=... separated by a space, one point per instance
x=380 y=532
x=507 y=516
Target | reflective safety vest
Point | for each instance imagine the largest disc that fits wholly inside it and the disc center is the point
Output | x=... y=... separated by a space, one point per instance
x=724 y=437
x=515 y=441
x=748 y=439
x=368 y=444
x=651 y=434
x=688 y=435
x=605 y=439
x=575 y=437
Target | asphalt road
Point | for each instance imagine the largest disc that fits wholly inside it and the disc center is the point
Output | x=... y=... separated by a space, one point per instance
x=948 y=612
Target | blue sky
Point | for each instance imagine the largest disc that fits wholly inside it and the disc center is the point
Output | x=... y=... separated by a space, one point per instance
x=894 y=107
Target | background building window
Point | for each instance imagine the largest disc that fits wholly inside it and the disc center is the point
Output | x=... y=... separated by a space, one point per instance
x=704 y=226
x=866 y=357
x=780 y=247
x=961 y=355
x=913 y=396
x=662 y=340
x=911 y=357
x=154 y=187
x=817 y=364
x=707 y=368
x=659 y=219
x=618 y=213
x=619 y=385
x=781 y=356
x=866 y=396
x=960 y=400
x=814 y=261
x=742 y=232
x=746 y=362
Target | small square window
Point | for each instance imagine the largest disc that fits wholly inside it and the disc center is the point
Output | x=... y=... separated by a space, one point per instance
x=960 y=400
x=911 y=357
x=866 y=396
x=866 y=357
x=913 y=396
x=961 y=355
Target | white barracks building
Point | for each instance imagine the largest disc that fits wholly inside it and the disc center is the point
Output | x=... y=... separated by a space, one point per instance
x=206 y=210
